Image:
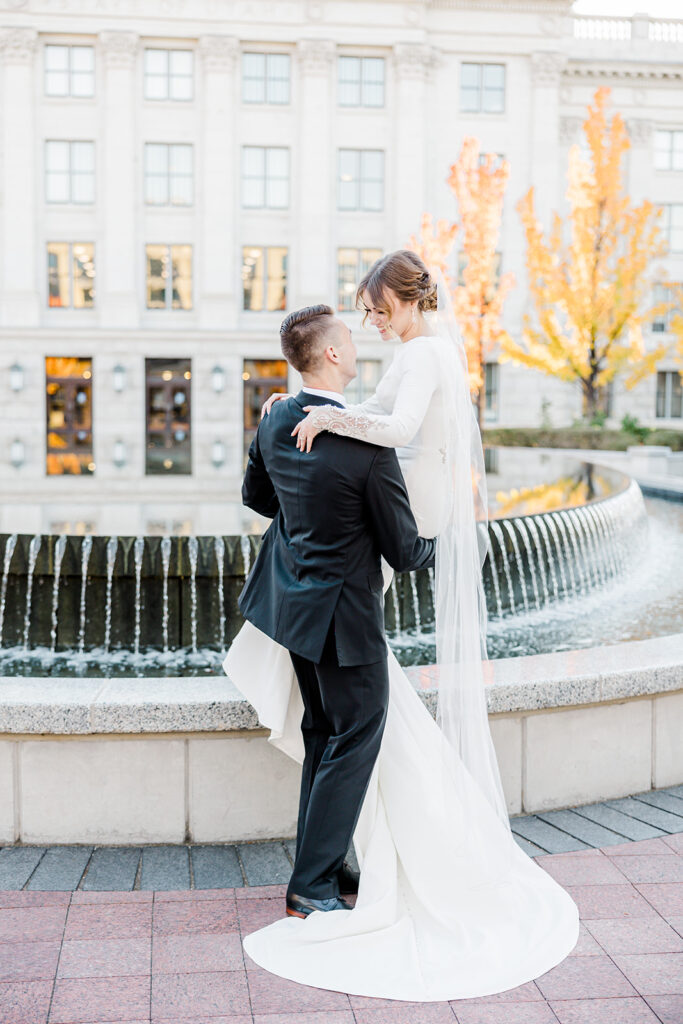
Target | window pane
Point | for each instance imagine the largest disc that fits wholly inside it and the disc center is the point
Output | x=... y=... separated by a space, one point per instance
x=58 y=274
x=349 y=81
x=373 y=82
x=277 y=279
x=470 y=75
x=156 y=62
x=254 y=77
x=83 y=188
x=349 y=169
x=180 y=159
x=57 y=156
x=371 y=195
x=82 y=59
x=677 y=162
x=82 y=156
x=57 y=83
x=676 y=216
x=156 y=189
x=156 y=158
x=181 y=257
x=180 y=62
x=168 y=387
x=68 y=387
x=277 y=75
x=663 y=150
x=252 y=278
x=347 y=272
x=262 y=377
x=277 y=163
x=57 y=188
x=253 y=193
x=181 y=191
x=180 y=88
x=277 y=178
x=253 y=161
x=157 y=275
x=277 y=194
x=348 y=195
x=367 y=258
x=83 y=275
x=56 y=57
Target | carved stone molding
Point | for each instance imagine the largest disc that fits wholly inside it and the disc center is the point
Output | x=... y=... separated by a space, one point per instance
x=552 y=24
x=570 y=129
x=631 y=74
x=119 y=49
x=315 y=56
x=315 y=11
x=547 y=67
x=219 y=53
x=18 y=45
x=412 y=60
x=640 y=131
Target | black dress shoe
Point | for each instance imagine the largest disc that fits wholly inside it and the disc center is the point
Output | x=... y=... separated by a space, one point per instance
x=348 y=880
x=302 y=906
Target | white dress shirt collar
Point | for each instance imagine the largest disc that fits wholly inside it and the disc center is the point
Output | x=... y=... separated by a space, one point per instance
x=333 y=395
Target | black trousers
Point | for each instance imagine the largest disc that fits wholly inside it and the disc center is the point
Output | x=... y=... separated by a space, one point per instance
x=342 y=726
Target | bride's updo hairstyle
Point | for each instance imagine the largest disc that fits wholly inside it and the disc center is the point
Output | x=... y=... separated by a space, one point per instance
x=406 y=275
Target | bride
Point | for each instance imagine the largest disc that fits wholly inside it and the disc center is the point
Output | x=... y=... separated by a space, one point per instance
x=448 y=906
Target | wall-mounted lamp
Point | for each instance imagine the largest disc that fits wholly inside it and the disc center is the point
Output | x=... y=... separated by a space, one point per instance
x=17 y=453
x=119 y=377
x=218 y=453
x=218 y=379
x=16 y=376
x=119 y=456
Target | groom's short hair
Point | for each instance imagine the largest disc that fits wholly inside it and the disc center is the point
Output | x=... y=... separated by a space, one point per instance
x=303 y=335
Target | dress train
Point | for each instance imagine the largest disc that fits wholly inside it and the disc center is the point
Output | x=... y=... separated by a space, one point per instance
x=449 y=906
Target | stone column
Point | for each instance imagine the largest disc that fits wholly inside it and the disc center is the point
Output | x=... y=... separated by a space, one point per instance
x=639 y=163
x=119 y=257
x=216 y=274
x=407 y=168
x=21 y=262
x=314 y=170
x=549 y=185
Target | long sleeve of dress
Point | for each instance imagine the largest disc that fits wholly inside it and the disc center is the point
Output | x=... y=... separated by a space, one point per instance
x=417 y=381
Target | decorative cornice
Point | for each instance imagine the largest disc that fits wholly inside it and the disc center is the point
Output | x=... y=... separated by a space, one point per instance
x=415 y=61
x=119 y=49
x=640 y=131
x=630 y=73
x=18 y=45
x=570 y=129
x=547 y=67
x=219 y=53
x=315 y=56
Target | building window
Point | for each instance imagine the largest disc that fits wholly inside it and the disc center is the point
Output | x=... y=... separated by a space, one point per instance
x=68 y=393
x=69 y=71
x=364 y=384
x=482 y=88
x=71 y=275
x=361 y=179
x=168 y=174
x=498 y=159
x=169 y=74
x=352 y=266
x=669 y=150
x=662 y=293
x=262 y=377
x=491 y=374
x=265 y=77
x=361 y=81
x=265 y=177
x=168 y=443
x=169 y=276
x=69 y=171
x=672 y=226
x=264 y=278
x=669 y=395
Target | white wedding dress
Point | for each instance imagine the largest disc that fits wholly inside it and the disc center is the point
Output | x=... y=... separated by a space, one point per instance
x=449 y=907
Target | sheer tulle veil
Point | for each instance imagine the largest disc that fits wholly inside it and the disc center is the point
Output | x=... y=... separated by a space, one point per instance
x=460 y=602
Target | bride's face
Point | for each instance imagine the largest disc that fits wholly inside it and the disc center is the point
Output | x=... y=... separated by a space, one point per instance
x=390 y=325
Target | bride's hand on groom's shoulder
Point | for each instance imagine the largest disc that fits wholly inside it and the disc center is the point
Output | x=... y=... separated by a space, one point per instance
x=270 y=402
x=307 y=429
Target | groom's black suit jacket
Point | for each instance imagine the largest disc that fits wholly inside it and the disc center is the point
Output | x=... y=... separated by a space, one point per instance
x=335 y=510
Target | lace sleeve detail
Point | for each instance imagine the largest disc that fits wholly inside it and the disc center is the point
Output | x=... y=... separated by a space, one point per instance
x=347 y=422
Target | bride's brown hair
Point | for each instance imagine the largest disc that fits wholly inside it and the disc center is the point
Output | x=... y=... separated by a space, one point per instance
x=404 y=272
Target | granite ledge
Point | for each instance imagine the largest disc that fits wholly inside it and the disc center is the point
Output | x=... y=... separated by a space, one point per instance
x=45 y=706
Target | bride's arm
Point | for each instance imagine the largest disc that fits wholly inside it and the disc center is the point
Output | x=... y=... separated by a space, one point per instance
x=416 y=385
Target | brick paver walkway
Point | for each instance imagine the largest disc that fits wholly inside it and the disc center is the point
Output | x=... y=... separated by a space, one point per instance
x=175 y=956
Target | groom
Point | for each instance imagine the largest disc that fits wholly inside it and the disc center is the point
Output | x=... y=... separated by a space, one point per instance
x=317 y=589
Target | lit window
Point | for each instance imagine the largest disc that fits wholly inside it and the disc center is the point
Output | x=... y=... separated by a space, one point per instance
x=352 y=266
x=71 y=275
x=68 y=394
x=168 y=448
x=169 y=74
x=361 y=81
x=360 y=179
x=168 y=174
x=69 y=172
x=69 y=71
x=169 y=276
x=262 y=378
x=264 y=278
x=265 y=77
x=482 y=88
x=265 y=177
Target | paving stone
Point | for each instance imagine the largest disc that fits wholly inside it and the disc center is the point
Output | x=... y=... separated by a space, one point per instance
x=216 y=867
x=603 y=1011
x=646 y=812
x=527 y=846
x=673 y=790
x=669 y=1009
x=581 y=828
x=547 y=837
x=61 y=869
x=112 y=869
x=619 y=822
x=17 y=864
x=665 y=801
x=265 y=863
x=165 y=867
x=290 y=847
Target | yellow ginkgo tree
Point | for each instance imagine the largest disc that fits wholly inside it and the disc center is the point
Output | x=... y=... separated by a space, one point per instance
x=590 y=293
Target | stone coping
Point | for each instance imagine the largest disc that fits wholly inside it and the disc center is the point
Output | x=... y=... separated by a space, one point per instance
x=75 y=706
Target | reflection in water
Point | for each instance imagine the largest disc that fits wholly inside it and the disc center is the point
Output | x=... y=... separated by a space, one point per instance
x=587 y=484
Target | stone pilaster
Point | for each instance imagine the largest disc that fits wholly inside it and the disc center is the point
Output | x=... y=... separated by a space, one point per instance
x=546 y=73
x=413 y=65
